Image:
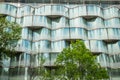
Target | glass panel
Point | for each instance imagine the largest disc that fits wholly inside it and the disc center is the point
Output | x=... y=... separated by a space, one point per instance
x=27 y=21
x=114 y=48
x=98 y=46
x=48 y=10
x=58 y=46
x=39 y=11
x=9 y=18
x=111 y=12
x=115 y=22
x=46 y=57
x=97 y=34
x=82 y=10
x=53 y=57
x=114 y=33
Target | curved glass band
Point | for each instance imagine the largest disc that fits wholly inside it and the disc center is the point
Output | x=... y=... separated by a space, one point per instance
x=59 y=10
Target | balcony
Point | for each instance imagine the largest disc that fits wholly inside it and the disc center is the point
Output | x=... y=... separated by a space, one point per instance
x=111 y=12
x=55 y=11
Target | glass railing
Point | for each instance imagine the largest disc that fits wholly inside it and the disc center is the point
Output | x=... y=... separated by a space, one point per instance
x=41 y=46
x=42 y=33
x=41 y=21
x=95 y=23
x=111 y=12
x=113 y=33
x=27 y=21
x=59 y=10
x=103 y=59
x=98 y=46
x=25 y=10
x=99 y=34
x=11 y=19
x=69 y=33
x=94 y=10
x=61 y=34
x=23 y=46
x=86 y=10
x=26 y=33
x=57 y=46
x=59 y=23
x=78 y=22
x=114 y=48
x=78 y=33
x=8 y=9
x=115 y=23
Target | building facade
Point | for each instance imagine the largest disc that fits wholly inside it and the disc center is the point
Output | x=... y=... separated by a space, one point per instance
x=47 y=28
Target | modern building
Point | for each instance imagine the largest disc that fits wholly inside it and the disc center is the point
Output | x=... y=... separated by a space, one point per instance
x=49 y=25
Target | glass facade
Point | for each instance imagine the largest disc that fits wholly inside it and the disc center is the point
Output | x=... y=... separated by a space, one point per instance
x=48 y=28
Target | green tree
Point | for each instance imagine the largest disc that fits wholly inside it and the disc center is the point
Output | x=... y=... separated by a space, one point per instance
x=77 y=62
x=9 y=35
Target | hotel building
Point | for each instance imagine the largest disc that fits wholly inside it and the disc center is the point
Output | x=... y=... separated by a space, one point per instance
x=48 y=26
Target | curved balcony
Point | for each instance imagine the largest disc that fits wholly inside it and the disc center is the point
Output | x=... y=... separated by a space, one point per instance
x=104 y=64
x=93 y=10
x=26 y=21
x=41 y=34
x=25 y=11
x=48 y=57
x=112 y=23
x=86 y=11
x=113 y=35
x=69 y=33
x=95 y=23
x=23 y=46
x=41 y=21
x=78 y=22
x=78 y=33
x=41 y=46
x=54 y=11
x=10 y=18
x=8 y=9
x=57 y=46
x=98 y=47
x=60 y=34
x=77 y=11
x=90 y=11
x=113 y=48
x=34 y=22
x=111 y=12
x=58 y=23
x=26 y=34
x=98 y=34
x=13 y=10
x=103 y=60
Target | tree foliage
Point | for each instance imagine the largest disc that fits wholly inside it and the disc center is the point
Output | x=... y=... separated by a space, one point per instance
x=9 y=35
x=77 y=62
